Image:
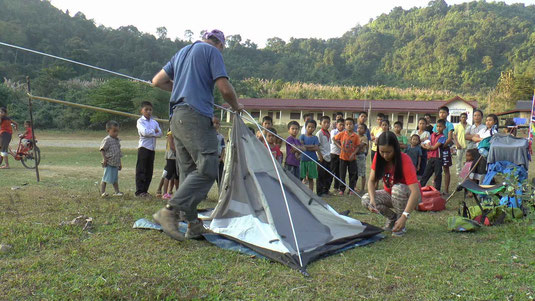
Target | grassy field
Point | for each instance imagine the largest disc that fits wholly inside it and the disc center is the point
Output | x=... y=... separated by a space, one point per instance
x=113 y=261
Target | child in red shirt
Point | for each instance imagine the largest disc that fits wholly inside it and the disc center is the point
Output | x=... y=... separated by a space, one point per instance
x=6 y=131
x=434 y=159
x=272 y=145
x=27 y=136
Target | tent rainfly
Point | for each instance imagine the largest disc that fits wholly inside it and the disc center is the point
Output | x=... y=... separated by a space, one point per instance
x=278 y=217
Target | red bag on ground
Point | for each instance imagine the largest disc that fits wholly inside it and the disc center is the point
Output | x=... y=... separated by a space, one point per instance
x=431 y=200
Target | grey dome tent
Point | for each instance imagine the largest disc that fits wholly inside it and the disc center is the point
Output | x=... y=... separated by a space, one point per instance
x=270 y=211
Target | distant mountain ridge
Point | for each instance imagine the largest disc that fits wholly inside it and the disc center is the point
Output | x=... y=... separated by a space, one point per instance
x=460 y=47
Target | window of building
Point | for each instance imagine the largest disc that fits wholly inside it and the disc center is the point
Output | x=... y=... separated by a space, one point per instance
x=270 y=114
x=295 y=115
x=278 y=115
x=433 y=119
x=455 y=119
x=400 y=118
x=319 y=116
x=411 y=119
x=255 y=114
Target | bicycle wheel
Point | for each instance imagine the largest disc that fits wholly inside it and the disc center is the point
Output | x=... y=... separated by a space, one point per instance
x=28 y=159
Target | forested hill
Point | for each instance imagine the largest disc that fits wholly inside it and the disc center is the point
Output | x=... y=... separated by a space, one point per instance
x=459 y=47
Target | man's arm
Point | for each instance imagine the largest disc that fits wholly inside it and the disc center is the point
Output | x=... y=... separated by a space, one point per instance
x=171 y=142
x=228 y=93
x=450 y=138
x=161 y=80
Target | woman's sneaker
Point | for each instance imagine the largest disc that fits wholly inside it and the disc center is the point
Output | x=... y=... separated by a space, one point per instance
x=400 y=233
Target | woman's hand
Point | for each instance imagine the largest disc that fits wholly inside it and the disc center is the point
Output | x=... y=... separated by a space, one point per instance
x=400 y=224
x=372 y=207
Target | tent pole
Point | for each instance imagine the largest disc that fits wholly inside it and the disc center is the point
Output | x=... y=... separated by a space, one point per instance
x=33 y=132
x=82 y=106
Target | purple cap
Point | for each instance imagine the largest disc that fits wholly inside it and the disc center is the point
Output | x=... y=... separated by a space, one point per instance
x=218 y=34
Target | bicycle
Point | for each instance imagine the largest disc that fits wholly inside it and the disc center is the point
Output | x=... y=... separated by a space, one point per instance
x=25 y=154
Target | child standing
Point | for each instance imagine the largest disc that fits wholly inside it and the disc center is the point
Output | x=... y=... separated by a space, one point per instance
x=311 y=144
x=361 y=155
x=424 y=136
x=348 y=142
x=6 y=132
x=335 y=153
x=443 y=113
x=324 y=137
x=375 y=132
x=148 y=130
x=403 y=141
x=292 y=155
x=272 y=145
x=171 y=175
x=110 y=148
x=267 y=123
x=434 y=160
x=414 y=151
x=220 y=150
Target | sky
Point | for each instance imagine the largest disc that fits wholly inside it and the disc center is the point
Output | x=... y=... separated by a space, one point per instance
x=254 y=20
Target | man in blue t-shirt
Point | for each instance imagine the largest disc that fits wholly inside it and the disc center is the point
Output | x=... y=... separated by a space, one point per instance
x=190 y=76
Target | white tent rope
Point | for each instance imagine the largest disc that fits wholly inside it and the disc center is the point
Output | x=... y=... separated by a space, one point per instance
x=282 y=189
x=74 y=62
x=148 y=82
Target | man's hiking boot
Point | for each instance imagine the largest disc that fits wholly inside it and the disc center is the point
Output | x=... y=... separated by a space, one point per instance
x=168 y=219
x=195 y=230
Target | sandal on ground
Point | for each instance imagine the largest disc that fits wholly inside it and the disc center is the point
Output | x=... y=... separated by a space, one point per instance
x=105 y=195
x=118 y=194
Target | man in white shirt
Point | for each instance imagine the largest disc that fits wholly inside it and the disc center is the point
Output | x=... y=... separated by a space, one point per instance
x=474 y=129
x=148 y=130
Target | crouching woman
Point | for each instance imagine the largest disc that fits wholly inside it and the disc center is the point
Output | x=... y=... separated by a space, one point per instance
x=401 y=187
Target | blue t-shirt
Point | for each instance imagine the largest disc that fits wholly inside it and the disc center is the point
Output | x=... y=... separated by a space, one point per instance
x=194 y=77
x=309 y=140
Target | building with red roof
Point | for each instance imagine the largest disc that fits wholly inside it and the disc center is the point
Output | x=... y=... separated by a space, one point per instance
x=406 y=111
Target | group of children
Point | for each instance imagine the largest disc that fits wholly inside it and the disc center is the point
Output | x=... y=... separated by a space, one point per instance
x=337 y=147
x=341 y=148
x=148 y=130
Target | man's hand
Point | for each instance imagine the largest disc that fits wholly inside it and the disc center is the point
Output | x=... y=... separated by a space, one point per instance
x=156 y=131
x=104 y=163
x=239 y=108
x=121 y=166
x=400 y=224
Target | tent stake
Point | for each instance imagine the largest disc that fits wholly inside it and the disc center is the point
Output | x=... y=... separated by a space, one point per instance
x=33 y=131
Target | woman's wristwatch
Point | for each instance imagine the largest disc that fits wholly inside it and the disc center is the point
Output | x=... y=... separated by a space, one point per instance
x=407 y=215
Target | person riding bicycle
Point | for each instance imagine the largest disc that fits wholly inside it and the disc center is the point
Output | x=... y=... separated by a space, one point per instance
x=27 y=136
